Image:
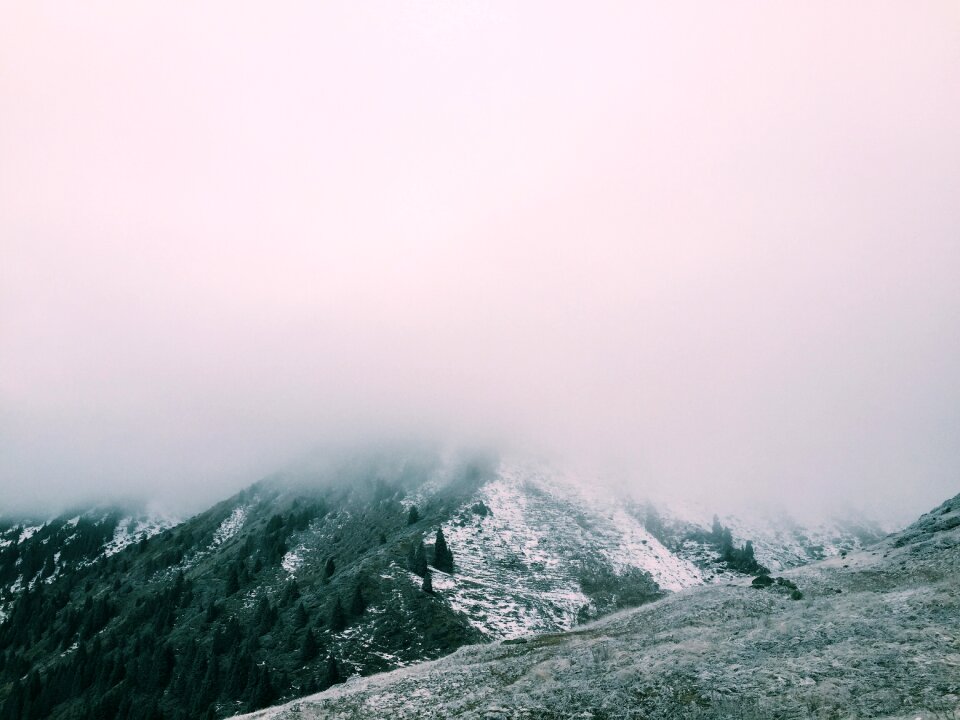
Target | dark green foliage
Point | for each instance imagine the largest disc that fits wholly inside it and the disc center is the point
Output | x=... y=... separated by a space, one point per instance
x=333 y=672
x=358 y=604
x=413 y=517
x=166 y=628
x=291 y=593
x=310 y=647
x=442 y=556
x=762 y=581
x=417 y=558
x=338 y=618
x=740 y=559
x=330 y=568
x=263 y=693
x=233 y=581
x=427 y=586
x=611 y=590
x=300 y=617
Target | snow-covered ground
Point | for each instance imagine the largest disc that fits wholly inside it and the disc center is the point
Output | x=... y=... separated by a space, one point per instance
x=519 y=561
x=133 y=529
x=780 y=540
x=230 y=526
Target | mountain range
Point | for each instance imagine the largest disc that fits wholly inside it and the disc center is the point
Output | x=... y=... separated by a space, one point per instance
x=370 y=565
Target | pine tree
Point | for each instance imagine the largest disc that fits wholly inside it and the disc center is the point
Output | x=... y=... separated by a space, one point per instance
x=418 y=559
x=300 y=617
x=265 y=616
x=357 y=603
x=309 y=649
x=263 y=691
x=338 y=619
x=330 y=568
x=427 y=586
x=233 y=581
x=413 y=517
x=332 y=672
x=291 y=593
x=442 y=556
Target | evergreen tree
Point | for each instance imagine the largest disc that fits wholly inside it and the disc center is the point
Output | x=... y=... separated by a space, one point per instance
x=291 y=593
x=300 y=617
x=417 y=559
x=330 y=568
x=309 y=649
x=332 y=672
x=263 y=690
x=265 y=616
x=726 y=544
x=427 y=586
x=357 y=603
x=716 y=531
x=233 y=582
x=338 y=619
x=442 y=556
x=413 y=517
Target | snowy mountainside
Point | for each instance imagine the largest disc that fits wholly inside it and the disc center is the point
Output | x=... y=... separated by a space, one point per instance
x=36 y=550
x=522 y=545
x=872 y=634
x=303 y=580
x=780 y=540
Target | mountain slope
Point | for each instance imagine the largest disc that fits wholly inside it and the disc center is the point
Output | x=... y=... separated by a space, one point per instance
x=36 y=550
x=875 y=634
x=303 y=580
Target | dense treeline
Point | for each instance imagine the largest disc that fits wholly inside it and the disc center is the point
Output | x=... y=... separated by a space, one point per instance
x=167 y=630
x=65 y=544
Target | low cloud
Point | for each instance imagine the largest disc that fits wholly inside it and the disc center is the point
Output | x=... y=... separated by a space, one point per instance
x=703 y=249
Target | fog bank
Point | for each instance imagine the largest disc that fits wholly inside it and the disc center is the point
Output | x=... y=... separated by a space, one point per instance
x=697 y=247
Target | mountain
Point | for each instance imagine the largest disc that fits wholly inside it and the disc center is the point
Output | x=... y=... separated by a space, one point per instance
x=873 y=633
x=34 y=550
x=305 y=579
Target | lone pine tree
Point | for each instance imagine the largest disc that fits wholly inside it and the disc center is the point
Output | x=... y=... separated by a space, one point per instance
x=442 y=556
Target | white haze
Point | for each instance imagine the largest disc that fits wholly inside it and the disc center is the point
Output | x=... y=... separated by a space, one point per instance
x=706 y=247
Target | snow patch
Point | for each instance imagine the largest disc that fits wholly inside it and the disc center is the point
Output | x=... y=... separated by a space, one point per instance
x=230 y=527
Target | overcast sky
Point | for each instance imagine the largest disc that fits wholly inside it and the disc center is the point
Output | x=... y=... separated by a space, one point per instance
x=708 y=246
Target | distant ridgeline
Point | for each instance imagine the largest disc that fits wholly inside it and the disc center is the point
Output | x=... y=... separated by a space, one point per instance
x=291 y=586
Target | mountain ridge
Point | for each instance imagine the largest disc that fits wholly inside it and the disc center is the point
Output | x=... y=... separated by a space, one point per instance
x=297 y=582
x=853 y=643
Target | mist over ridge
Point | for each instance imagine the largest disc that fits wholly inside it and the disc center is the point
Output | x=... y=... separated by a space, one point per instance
x=672 y=246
